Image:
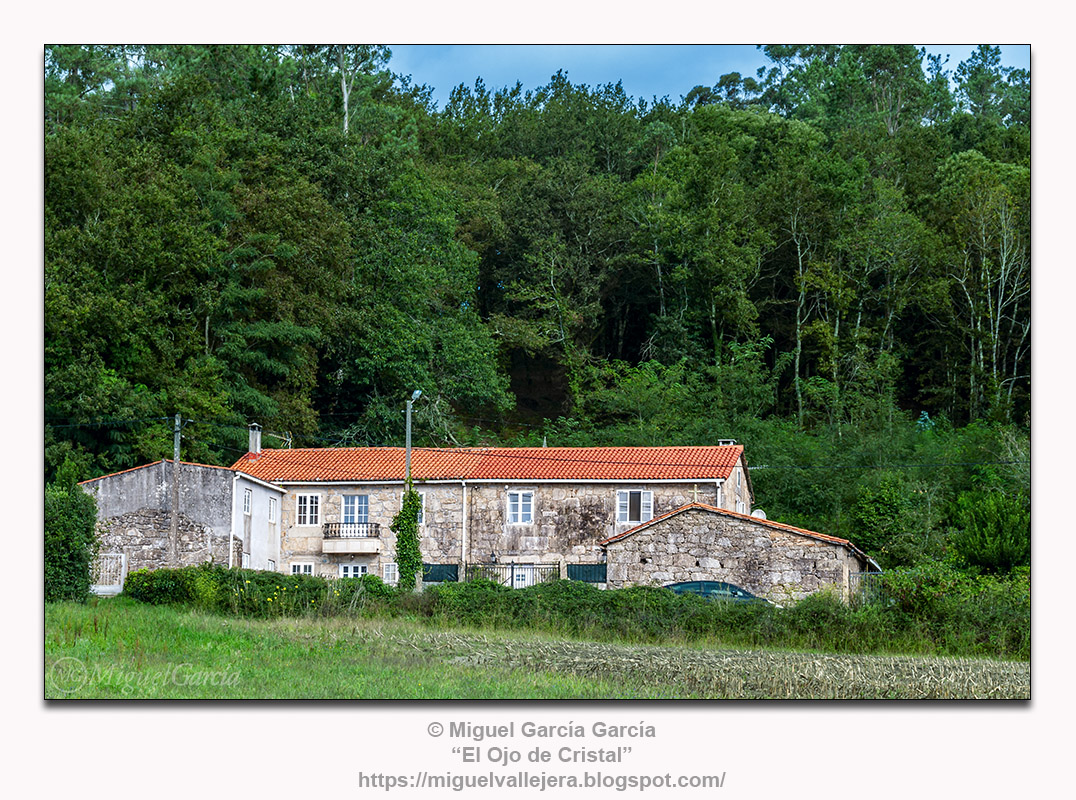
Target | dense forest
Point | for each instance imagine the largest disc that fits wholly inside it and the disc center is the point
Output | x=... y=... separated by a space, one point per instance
x=828 y=262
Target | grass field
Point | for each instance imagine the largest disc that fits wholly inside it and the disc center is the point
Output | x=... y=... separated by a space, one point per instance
x=121 y=649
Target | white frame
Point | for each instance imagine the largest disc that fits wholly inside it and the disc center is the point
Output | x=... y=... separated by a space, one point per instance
x=518 y=496
x=248 y=501
x=357 y=507
x=245 y=561
x=741 y=507
x=271 y=565
x=305 y=568
x=421 y=507
x=272 y=509
x=299 y=511
x=623 y=506
x=391 y=577
x=362 y=569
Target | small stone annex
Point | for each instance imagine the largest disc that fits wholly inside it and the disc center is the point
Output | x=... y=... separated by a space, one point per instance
x=169 y=514
x=700 y=542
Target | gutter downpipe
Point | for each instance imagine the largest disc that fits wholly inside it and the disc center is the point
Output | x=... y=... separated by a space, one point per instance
x=231 y=529
x=463 y=542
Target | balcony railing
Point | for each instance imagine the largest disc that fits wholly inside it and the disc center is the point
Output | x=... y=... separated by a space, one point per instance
x=351 y=530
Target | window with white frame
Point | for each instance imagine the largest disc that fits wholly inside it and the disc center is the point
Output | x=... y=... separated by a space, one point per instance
x=248 y=501
x=390 y=574
x=308 y=509
x=520 y=507
x=741 y=506
x=271 y=565
x=634 y=505
x=356 y=509
x=246 y=561
x=302 y=568
x=272 y=509
x=353 y=570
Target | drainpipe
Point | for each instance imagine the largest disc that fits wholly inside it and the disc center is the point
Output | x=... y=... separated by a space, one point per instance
x=231 y=529
x=463 y=543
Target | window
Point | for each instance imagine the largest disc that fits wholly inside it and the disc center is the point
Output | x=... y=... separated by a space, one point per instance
x=634 y=506
x=520 y=507
x=303 y=568
x=272 y=509
x=353 y=570
x=741 y=506
x=307 y=509
x=248 y=497
x=421 y=507
x=390 y=574
x=356 y=509
x=246 y=561
x=272 y=565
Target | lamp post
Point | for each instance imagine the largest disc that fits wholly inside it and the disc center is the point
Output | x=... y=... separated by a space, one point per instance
x=407 y=458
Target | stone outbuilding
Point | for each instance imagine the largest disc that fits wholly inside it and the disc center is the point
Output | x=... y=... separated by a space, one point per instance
x=166 y=514
x=699 y=542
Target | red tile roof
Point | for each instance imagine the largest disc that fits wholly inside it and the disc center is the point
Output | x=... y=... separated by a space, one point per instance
x=494 y=463
x=769 y=523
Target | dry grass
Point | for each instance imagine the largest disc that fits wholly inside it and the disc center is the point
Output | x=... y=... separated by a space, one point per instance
x=733 y=674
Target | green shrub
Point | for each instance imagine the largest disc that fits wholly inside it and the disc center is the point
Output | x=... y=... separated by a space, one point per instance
x=70 y=542
x=159 y=586
x=995 y=530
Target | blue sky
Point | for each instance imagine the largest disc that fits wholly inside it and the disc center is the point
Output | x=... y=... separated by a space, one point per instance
x=646 y=70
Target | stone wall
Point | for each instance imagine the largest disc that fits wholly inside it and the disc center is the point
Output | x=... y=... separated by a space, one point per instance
x=143 y=536
x=703 y=545
x=568 y=521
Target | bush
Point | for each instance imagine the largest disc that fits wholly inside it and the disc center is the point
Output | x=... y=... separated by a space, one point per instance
x=995 y=530
x=70 y=542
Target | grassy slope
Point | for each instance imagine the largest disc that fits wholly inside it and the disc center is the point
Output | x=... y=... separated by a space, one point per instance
x=138 y=651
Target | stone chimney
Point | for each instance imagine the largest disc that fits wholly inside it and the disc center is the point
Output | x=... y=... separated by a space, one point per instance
x=255 y=438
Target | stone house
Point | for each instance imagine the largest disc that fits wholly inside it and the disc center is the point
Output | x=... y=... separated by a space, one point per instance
x=517 y=513
x=701 y=542
x=168 y=514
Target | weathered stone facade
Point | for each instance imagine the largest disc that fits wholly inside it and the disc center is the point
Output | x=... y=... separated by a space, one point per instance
x=218 y=508
x=142 y=536
x=568 y=521
x=767 y=559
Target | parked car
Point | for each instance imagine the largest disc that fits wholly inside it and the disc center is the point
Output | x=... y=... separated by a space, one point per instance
x=716 y=590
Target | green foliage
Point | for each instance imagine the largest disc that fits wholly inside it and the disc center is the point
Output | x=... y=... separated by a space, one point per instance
x=995 y=530
x=70 y=540
x=408 y=553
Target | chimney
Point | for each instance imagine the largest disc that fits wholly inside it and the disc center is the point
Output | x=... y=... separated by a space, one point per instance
x=255 y=446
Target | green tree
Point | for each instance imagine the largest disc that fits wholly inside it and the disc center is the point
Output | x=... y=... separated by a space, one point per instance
x=994 y=530
x=70 y=540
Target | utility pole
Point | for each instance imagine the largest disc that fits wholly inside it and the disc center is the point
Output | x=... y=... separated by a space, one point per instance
x=174 y=534
x=407 y=441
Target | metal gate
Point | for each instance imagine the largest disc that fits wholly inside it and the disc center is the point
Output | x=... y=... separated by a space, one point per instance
x=108 y=573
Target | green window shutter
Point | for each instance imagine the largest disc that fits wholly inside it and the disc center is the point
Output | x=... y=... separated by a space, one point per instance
x=591 y=573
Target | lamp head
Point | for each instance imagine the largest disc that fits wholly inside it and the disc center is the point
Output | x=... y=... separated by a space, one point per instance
x=416 y=395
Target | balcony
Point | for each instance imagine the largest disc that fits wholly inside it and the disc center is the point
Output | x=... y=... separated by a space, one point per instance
x=351 y=537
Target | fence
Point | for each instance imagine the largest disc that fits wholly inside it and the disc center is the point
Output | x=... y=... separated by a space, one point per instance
x=108 y=573
x=517 y=576
x=865 y=587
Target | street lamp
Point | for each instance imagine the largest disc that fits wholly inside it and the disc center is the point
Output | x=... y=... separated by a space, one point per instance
x=407 y=458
